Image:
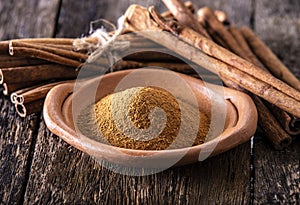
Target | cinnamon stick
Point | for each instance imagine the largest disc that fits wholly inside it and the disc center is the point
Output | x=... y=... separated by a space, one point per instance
x=216 y=38
x=179 y=67
x=184 y=16
x=58 y=51
x=208 y=19
x=159 y=56
x=57 y=41
x=64 y=47
x=100 y=65
x=31 y=100
x=268 y=58
x=24 y=110
x=290 y=123
x=261 y=89
x=14 y=95
x=222 y=17
x=244 y=46
x=36 y=93
x=37 y=73
x=12 y=87
x=188 y=4
x=272 y=129
x=7 y=61
x=36 y=53
x=4 y=45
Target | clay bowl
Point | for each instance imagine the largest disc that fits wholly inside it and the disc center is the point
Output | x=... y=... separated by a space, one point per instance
x=235 y=108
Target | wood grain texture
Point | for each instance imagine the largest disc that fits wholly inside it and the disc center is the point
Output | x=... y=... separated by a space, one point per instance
x=75 y=17
x=62 y=174
x=277 y=176
x=23 y=19
x=277 y=23
x=16 y=140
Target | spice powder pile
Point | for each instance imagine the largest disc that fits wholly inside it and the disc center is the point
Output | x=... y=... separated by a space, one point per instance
x=128 y=119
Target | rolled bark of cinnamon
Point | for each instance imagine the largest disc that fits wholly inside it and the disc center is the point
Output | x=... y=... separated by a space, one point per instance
x=24 y=110
x=272 y=129
x=14 y=95
x=137 y=41
x=188 y=4
x=36 y=53
x=37 y=73
x=184 y=16
x=216 y=38
x=58 y=41
x=36 y=93
x=4 y=45
x=208 y=19
x=30 y=100
x=268 y=58
x=58 y=51
x=290 y=123
x=179 y=67
x=62 y=47
x=244 y=46
x=10 y=88
x=7 y=61
x=150 y=56
x=222 y=17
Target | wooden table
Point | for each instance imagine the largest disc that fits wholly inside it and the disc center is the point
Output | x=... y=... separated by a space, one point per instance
x=37 y=167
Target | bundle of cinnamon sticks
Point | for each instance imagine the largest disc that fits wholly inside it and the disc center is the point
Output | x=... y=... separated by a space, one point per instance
x=238 y=56
x=29 y=68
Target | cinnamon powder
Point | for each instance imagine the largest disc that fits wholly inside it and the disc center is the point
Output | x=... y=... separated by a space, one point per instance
x=145 y=118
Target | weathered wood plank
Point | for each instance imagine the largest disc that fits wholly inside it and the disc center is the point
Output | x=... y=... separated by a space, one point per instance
x=278 y=24
x=23 y=19
x=75 y=18
x=17 y=136
x=62 y=174
x=277 y=178
x=277 y=172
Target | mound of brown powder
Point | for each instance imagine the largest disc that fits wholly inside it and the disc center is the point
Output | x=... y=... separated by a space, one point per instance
x=147 y=118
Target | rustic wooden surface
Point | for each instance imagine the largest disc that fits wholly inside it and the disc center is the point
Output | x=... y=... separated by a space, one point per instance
x=36 y=167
